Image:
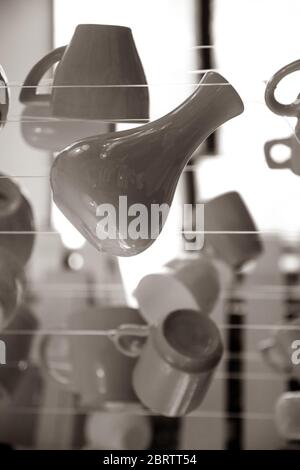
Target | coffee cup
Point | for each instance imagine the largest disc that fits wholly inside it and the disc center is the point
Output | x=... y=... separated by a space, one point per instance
x=96 y=77
x=17 y=339
x=176 y=363
x=292 y=163
x=279 y=348
x=287 y=416
x=118 y=431
x=184 y=283
x=95 y=368
x=16 y=221
x=230 y=230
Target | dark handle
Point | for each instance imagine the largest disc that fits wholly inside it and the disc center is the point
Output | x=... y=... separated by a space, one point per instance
x=292 y=109
x=268 y=154
x=29 y=95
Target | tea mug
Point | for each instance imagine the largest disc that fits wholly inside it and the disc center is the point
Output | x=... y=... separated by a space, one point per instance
x=40 y=130
x=17 y=338
x=176 y=362
x=95 y=368
x=17 y=232
x=230 y=230
x=287 y=415
x=96 y=77
x=123 y=431
x=185 y=283
x=292 y=109
x=279 y=348
x=4 y=98
x=293 y=162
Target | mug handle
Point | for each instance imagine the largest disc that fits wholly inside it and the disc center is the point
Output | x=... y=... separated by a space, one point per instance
x=29 y=95
x=267 y=347
x=51 y=372
x=139 y=332
x=268 y=154
x=292 y=109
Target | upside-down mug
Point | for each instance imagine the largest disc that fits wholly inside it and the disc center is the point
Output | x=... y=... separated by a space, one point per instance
x=182 y=284
x=99 y=76
x=292 y=163
x=230 y=230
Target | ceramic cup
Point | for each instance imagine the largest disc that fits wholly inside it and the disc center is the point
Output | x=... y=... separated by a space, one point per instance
x=293 y=162
x=17 y=337
x=15 y=216
x=292 y=109
x=11 y=287
x=118 y=431
x=94 y=76
x=40 y=130
x=182 y=284
x=278 y=349
x=4 y=98
x=176 y=362
x=223 y=216
x=19 y=429
x=287 y=415
x=96 y=370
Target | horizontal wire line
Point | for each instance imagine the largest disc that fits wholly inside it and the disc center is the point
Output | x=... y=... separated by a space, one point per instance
x=136 y=410
x=109 y=332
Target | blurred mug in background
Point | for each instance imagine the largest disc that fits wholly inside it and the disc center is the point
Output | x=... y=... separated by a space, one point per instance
x=230 y=230
x=94 y=368
x=187 y=283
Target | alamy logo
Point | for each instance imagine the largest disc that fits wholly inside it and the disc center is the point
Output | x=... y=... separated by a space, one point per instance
x=2 y=353
x=296 y=354
x=137 y=221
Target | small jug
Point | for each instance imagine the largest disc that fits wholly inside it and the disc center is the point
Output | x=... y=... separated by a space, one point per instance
x=109 y=186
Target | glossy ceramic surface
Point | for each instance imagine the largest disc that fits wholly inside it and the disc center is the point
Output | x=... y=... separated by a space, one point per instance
x=94 y=76
x=292 y=163
x=15 y=216
x=142 y=164
x=182 y=284
x=180 y=354
x=223 y=216
x=40 y=130
x=4 y=98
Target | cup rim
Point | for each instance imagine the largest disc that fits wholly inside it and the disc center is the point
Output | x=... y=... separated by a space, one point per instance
x=102 y=26
x=186 y=362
